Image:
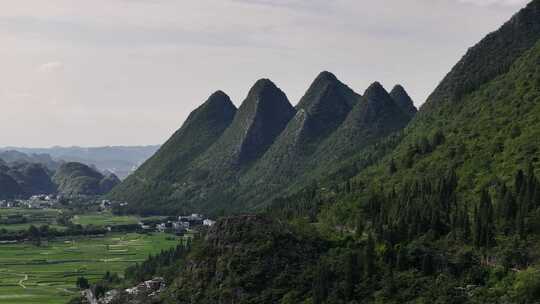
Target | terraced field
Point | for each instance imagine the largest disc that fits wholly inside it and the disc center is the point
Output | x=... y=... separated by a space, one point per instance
x=36 y=217
x=47 y=274
x=107 y=219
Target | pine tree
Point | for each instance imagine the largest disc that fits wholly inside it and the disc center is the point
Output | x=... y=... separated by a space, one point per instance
x=360 y=226
x=320 y=288
x=428 y=266
x=351 y=275
x=402 y=262
x=369 y=257
x=392 y=167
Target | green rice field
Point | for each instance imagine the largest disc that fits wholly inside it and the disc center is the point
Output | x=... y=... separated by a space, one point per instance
x=107 y=219
x=47 y=274
x=36 y=217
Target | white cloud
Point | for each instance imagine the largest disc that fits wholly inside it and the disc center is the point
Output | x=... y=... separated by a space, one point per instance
x=51 y=66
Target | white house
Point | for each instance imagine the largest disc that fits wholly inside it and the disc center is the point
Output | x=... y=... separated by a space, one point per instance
x=208 y=222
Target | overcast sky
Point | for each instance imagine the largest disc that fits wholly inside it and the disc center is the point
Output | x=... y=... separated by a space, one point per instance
x=128 y=72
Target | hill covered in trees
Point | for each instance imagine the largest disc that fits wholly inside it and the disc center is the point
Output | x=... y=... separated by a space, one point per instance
x=79 y=179
x=224 y=160
x=444 y=211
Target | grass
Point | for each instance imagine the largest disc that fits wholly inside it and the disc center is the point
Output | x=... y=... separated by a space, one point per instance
x=36 y=217
x=104 y=219
x=40 y=217
x=47 y=274
x=108 y=219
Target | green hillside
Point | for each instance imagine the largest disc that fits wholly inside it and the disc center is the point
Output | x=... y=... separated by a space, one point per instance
x=79 y=179
x=33 y=178
x=487 y=133
x=445 y=210
x=217 y=163
x=154 y=182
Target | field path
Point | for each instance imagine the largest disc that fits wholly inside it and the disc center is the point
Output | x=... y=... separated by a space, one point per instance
x=21 y=281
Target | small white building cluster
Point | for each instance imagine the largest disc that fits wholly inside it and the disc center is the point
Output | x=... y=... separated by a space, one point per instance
x=184 y=223
x=40 y=201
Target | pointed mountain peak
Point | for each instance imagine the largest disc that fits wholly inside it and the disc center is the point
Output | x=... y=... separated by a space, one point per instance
x=264 y=91
x=218 y=95
x=217 y=109
x=261 y=86
x=398 y=88
x=260 y=119
x=403 y=100
x=326 y=76
x=377 y=101
x=263 y=96
x=219 y=99
x=327 y=88
x=328 y=102
x=376 y=91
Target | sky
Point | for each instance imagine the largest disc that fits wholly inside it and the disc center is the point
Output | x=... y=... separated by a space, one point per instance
x=128 y=72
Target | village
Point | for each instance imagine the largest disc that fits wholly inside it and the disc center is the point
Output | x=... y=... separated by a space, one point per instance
x=183 y=224
x=178 y=225
x=41 y=201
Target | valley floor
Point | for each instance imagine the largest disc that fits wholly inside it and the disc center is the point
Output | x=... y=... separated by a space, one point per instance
x=47 y=274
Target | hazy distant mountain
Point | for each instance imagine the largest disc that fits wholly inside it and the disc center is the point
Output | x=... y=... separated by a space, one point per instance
x=23 y=179
x=33 y=178
x=13 y=156
x=121 y=160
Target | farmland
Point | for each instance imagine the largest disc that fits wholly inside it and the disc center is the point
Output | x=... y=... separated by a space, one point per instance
x=47 y=274
x=36 y=217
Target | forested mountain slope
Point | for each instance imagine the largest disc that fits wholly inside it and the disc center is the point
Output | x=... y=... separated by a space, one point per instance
x=488 y=132
x=259 y=151
x=154 y=181
x=448 y=212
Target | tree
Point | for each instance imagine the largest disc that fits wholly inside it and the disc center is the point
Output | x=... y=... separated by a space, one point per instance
x=484 y=230
x=360 y=225
x=428 y=266
x=401 y=260
x=369 y=257
x=82 y=283
x=351 y=275
x=392 y=167
x=438 y=138
x=34 y=235
x=320 y=288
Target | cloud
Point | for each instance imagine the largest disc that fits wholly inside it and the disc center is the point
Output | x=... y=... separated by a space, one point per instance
x=51 y=66
x=495 y=2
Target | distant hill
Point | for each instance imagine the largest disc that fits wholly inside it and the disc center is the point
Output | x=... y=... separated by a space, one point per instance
x=33 y=178
x=78 y=179
x=9 y=188
x=121 y=160
x=14 y=156
x=20 y=179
